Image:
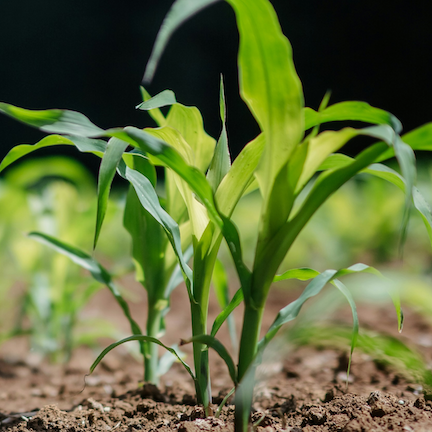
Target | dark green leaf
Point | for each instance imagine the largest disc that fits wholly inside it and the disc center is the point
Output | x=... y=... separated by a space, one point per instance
x=113 y=155
x=180 y=11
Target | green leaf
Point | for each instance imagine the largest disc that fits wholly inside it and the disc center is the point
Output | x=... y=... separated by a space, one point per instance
x=140 y=338
x=84 y=145
x=418 y=139
x=299 y=274
x=212 y=342
x=291 y=311
x=171 y=158
x=422 y=206
x=189 y=123
x=164 y=98
x=168 y=359
x=113 y=154
x=239 y=177
x=54 y=121
x=221 y=162
x=269 y=84
x=155 y=113
x=343 y=289
x=180 y=11
x=318 y=150
x=220 y=319
x=386 y=173
x=150 y=201
x=351 y=110
x=97 y=271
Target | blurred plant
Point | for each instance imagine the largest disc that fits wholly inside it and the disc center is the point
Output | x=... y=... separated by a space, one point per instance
x=55 y=195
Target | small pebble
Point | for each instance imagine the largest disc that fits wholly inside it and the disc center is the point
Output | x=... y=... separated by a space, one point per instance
x=401 y=402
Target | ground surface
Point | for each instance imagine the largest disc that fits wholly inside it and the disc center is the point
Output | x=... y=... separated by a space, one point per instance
x=304 y=390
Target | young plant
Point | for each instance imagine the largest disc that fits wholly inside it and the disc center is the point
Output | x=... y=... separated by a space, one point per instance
x=280 y=162
x=48 y=194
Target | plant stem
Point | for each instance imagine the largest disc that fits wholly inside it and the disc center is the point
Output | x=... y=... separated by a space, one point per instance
x=200 y=353
x=252 y=318
x=151 y=358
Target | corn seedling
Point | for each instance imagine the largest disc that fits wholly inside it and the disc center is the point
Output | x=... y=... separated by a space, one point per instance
x=288 y=156
x=55 y=195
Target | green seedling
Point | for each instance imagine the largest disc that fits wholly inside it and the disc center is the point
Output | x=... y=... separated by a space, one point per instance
x=55 y=195
x=288 y=156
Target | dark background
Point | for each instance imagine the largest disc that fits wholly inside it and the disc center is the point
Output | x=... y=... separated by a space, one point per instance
x=90 y=55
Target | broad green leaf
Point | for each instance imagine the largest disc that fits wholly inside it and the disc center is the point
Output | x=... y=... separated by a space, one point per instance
x=150 y=201
x=220 y=319
x=274 y=251
x=239 y=177
x=212 y=342
x=318 y=150
x=97 y=271
x=140 y=338
x=170 y=157
x=221 y=162
x=180 y=11
x=164 y=98
x=351 y=110
x=148 y=245
x=189 y=123
x=84 y=145
x=269 y=84
x=197 y=212
x=291 y=311
x=54 y=121
x=333 y=161
x=113 y=154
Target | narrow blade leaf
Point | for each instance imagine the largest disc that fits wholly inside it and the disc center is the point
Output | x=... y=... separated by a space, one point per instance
x=180 y=12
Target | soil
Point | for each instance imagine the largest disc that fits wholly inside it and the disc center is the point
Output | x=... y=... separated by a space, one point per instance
x=299 y=390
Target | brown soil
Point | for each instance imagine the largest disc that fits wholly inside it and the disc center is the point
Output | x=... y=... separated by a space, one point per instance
x=301 y=390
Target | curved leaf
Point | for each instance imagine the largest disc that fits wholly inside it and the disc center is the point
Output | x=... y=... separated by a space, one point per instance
x=299 y=274
x=54 y=120
x=351 y=110
x=180 y=12
x=220 y=319
x=84 y=145
x=150 y=201
x=140 y=338
x=212 y=342
x=269 y=84
x=164 y=98
x=291 y=311
x=97 y=271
